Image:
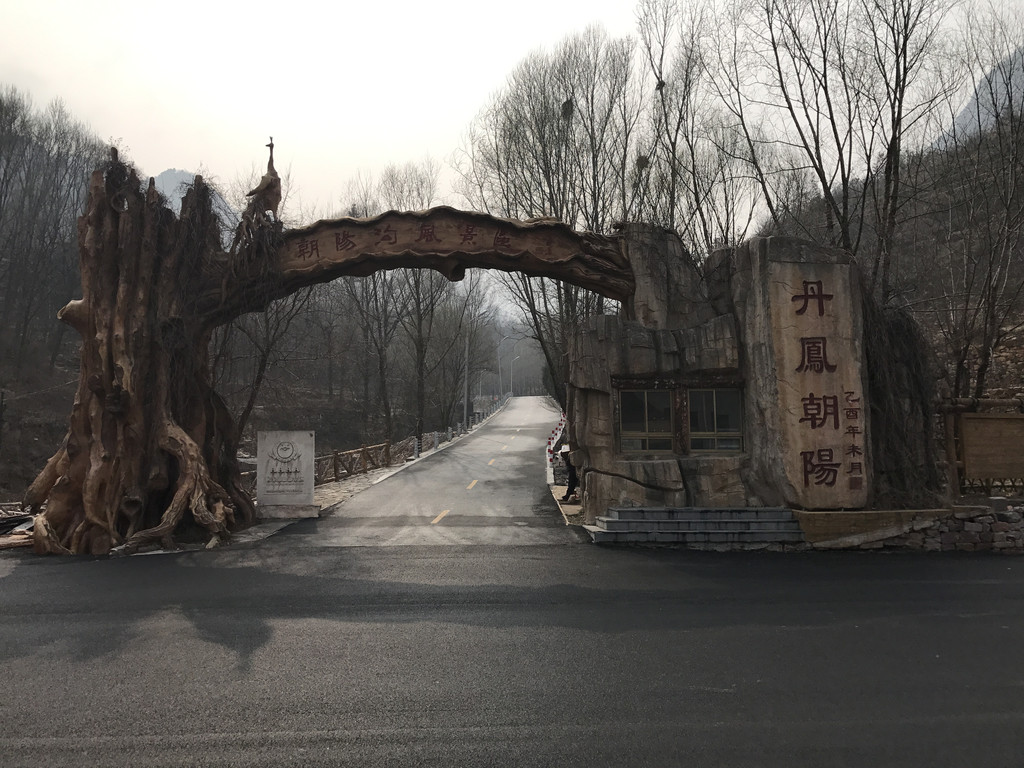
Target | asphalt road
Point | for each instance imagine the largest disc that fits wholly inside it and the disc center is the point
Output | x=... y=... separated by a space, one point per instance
x=488 y=487
x=553 y=653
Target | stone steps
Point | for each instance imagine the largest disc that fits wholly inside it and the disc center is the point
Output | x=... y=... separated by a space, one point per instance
x=709 y=514
x=694 y=526
x=724 y=526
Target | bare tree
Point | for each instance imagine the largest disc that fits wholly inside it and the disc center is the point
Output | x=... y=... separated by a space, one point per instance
x=45 y=161
x=972 y=285
x=829 y=97
x=555 y=142
x=421 y=293
x=377 y=301
x=264 y=333
x=909 y=73
x=701 y=186
x=462 y=329
x=562 y=140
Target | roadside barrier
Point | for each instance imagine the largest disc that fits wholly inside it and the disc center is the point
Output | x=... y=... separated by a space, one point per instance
x=556 y=435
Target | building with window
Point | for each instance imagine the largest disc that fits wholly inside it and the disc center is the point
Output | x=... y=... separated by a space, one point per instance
x=740 y=384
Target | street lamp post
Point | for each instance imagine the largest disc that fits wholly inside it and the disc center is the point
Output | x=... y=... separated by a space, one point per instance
x=511 y=375
x=465 y=389
x=500 y=342
x=498 y=350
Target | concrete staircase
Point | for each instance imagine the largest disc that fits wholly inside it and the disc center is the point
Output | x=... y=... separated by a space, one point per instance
x=697 y=526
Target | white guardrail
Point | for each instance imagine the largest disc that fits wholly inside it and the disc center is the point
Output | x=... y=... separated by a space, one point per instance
x=556 y=435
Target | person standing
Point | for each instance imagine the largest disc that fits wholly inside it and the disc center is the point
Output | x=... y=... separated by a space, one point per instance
x=572 y=479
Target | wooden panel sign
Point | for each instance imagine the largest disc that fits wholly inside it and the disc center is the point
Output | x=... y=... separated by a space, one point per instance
x=991 y=445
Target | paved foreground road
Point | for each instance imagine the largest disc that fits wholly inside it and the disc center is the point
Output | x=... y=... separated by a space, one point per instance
x=543 y=654
x=495 y=656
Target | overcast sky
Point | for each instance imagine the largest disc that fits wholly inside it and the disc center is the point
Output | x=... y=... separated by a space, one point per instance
x=341 y=86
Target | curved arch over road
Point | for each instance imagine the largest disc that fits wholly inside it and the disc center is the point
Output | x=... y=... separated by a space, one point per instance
x=150 y=443
x=444 y=239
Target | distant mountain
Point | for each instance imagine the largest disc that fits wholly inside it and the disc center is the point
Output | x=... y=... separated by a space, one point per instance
x=1001 y=89
x=172 y=184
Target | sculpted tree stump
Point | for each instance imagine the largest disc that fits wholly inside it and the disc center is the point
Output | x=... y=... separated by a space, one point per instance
x=150 y=449
x=150 y=444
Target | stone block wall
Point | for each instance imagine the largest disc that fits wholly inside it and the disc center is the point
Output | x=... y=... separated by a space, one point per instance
x=972 y=530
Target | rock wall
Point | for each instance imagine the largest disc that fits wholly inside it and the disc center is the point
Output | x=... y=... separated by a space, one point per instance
x=611 y=352
x=797 y=307
x=764 y=318
x=972 y=530
x=668 y=290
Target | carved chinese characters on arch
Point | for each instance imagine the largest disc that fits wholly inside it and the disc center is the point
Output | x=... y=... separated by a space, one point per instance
x=819 y=358
x=423 y=237
x=451 y=241
x=409 y=236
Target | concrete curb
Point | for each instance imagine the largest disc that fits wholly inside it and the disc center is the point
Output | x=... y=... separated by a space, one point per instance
x=557 y=491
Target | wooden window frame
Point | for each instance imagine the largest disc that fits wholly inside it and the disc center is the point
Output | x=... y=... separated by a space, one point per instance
x=677 y=401
x=680 y=388
x=722 y=385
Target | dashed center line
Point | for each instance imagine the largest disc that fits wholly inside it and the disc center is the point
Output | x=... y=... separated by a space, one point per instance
x=489 y=463
x=437 y=519
x=504 y=447
x=470 y=486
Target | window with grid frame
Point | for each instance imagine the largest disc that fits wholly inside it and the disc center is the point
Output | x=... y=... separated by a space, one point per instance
x=716 y=420
x=646 y=419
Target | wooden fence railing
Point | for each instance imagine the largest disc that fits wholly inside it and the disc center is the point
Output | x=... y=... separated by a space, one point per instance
x=340 y=464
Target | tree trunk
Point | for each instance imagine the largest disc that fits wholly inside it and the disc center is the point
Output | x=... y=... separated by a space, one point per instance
x=150 y=448
x=384 y=395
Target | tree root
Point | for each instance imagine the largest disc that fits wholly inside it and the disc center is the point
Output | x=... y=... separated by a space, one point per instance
x=45 y=540
x=196 y=493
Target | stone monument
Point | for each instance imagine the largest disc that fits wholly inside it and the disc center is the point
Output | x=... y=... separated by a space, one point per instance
x=285 y=474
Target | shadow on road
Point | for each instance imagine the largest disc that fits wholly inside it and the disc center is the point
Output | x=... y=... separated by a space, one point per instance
x=84 y=608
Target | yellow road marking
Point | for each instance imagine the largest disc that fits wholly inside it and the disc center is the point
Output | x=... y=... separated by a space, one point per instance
x=437 y=519
x=489 y=463
x=504 y=447
x=470 y=486
x=513 y=437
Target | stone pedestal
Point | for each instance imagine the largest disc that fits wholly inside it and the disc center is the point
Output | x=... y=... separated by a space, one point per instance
x=287 y=511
